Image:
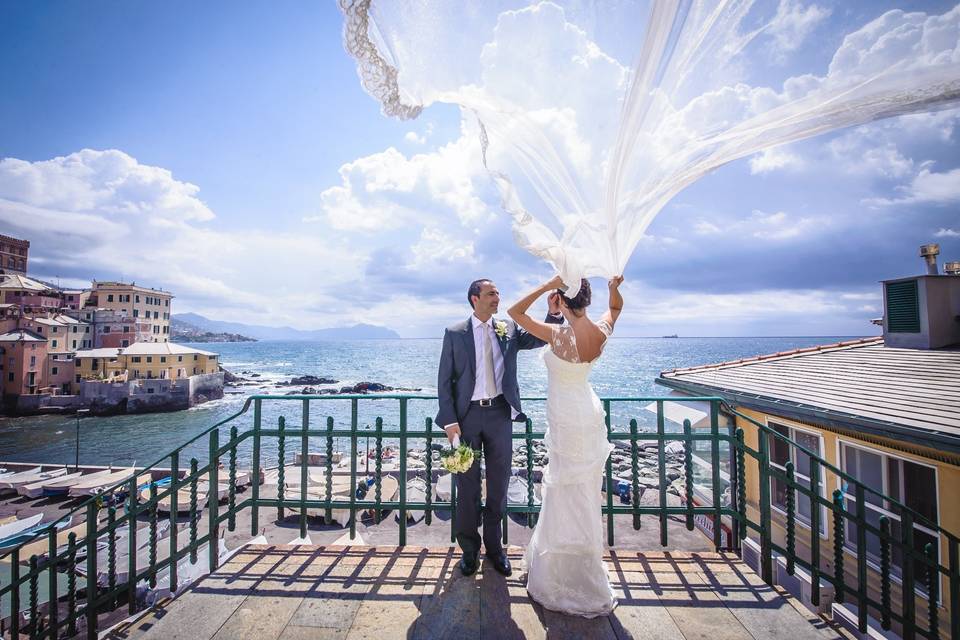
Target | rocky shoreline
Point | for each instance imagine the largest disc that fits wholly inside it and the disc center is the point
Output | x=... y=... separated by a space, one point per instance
x=308 y=385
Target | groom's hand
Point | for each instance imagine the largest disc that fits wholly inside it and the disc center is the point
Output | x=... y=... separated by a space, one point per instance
x=453 y=430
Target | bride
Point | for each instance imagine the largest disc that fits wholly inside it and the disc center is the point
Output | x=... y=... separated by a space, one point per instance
x=565 y=567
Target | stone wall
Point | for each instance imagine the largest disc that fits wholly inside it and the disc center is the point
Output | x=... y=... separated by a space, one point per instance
x=206 y=386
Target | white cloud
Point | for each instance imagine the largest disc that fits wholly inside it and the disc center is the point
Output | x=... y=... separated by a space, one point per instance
x=792 y=24
x=773 y=159
x=102 y=214
x=436 y=248
x=705 y=228
x=926 y=187
x=947 y=233
x=415 y=138
x=780 y=225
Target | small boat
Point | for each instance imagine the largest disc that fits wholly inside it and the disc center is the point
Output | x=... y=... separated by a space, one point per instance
x=416 y=492
x=443 y=488
x=103 y=483
x=36 y=489
x=517 y=491
x=16 y=481
x=61 y=486
x=19 y=526
x=14 y=475
x=183 y=497
x=42 y=546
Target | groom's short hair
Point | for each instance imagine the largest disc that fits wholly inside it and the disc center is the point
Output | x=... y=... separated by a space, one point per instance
x=474 y=289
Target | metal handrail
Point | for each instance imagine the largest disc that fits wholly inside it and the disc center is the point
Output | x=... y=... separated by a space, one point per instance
x=97 y=599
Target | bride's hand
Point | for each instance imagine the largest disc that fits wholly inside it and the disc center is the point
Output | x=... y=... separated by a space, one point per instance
x=554 y=283
x=615 y=282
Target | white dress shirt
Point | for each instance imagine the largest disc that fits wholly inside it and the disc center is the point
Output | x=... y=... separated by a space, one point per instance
x=480 y=385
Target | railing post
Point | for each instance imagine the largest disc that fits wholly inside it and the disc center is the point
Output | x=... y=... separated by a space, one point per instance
x=933 y=590
x=741 y=492
x=112 y=551
x=255 y=472
x=378 y=467
x=213 y=501
x=839 y=582
x=403 y=471
x=232 y=482
x=861 y=558
x=908 y=591
x=15 y=593
x=71 y=589
x=152 y=551
x=428 y=514
x=715 y=468
x=353 y=468
x=815 y=533
x=885 y=573
x=528 y=439
x=662 y=472
x=688 y=474
x=174 y=512
x=132 y=501
x=304 y=461
x=194 y=515
x=635 y=472
x=52 y=585
x=91 y=540
x=328 y=475
x=766 y=550
x=791 y=518
x=34 y=598
x=609 y=478
x=281 y=465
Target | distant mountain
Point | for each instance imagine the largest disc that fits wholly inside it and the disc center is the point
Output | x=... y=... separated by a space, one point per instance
x=181 y=331
x=261 y=332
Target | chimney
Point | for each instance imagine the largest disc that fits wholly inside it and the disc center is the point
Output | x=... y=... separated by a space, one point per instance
x=923 y=312
x=929 y=252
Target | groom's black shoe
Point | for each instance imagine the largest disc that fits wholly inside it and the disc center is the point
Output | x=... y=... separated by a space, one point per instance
x=501 y=563
x=469 y=564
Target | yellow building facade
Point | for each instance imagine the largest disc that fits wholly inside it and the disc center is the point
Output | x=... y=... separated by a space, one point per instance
x=141 y=303
x=144 y=360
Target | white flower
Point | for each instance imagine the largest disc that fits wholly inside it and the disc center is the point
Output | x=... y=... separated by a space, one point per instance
x=501 y=328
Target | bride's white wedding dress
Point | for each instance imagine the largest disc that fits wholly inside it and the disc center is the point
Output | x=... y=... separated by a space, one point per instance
x=565 y=567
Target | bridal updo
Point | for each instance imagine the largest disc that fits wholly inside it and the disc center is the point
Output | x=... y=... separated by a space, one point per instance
x=581 y=300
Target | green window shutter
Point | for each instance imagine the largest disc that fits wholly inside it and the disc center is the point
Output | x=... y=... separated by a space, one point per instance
x=903 y=307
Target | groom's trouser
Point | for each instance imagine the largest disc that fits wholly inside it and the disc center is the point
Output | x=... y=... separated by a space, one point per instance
x=488 y=428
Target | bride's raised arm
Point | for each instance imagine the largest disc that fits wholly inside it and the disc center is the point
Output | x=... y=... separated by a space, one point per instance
x=616 y=302
x=518 y=312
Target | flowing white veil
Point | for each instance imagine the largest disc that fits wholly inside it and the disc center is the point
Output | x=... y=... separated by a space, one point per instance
x=593 y=115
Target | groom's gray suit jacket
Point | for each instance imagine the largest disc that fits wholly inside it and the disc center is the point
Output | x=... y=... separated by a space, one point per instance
x=457 y=373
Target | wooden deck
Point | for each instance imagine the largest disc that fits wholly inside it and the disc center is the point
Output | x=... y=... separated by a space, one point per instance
x=268 y=592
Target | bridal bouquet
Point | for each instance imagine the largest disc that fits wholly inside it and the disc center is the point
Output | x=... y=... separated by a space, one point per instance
x=459 y=458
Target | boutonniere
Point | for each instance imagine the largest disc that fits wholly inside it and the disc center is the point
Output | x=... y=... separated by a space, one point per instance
x=500 y=327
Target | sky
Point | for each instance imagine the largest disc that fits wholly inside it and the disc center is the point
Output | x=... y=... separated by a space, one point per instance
x=228 y=153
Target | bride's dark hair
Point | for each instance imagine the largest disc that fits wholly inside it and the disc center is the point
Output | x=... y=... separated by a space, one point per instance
x=581 y=300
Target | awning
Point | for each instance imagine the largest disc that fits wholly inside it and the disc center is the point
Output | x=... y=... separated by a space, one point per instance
x=696 y=411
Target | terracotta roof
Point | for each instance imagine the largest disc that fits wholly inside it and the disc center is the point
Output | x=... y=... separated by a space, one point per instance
x=857 y=382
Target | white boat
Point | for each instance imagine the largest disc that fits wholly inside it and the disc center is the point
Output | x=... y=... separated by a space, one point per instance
x=517 y=491
x=443 y=488
x=60 y=486
x=416 y=492
x=13 y=475
x=19 y=526
x=16 y=481
x=36 y=489
x=183 y=497
x=102 y=483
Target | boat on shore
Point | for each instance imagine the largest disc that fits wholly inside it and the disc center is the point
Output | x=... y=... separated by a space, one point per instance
x=16 y=527
x=36 y=489
x=92 y=487
x=15 y=481
x=26 y=534
x=61 y=486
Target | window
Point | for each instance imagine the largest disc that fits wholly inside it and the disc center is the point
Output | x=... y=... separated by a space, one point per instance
x=86 y=329
x=10 y=376
x=78 y=378
x=126 y=343
x=194 y=370
x=194 y=357
x=33 y=361
x=54 y=344
x=179 y=358
x=163 y=358
x=781 y=453
x=106 y=328
x=126 y=329
x=94 y=364
x=54 y=370
x=74 y=345
x=149 y=359
x=136 y=313
x=53 y=329
x=166 y=302
x=911 y=483
x=155 y=315
x=110 y=298
x=74 y=328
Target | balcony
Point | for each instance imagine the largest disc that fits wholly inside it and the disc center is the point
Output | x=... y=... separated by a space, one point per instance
x=366 y=576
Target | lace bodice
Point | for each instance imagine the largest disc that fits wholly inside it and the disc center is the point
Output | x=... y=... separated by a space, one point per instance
x=563 y=342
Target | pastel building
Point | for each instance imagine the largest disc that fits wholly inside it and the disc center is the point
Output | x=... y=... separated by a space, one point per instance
x=24 y=356
x=150 y=306
x=28 y=293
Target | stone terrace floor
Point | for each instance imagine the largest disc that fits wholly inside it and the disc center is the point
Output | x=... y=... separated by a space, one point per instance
x=352 y=592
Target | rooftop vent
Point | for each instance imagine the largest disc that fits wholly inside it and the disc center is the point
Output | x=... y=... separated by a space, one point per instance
x=929 y=252
x=923 y=312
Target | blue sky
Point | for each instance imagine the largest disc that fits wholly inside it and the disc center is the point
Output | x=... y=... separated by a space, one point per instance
x=201 y=146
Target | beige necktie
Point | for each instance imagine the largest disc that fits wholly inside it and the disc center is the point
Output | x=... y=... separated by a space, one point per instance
x=491 y=381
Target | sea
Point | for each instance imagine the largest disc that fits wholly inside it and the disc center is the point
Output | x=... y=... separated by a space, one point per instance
x=628 y=368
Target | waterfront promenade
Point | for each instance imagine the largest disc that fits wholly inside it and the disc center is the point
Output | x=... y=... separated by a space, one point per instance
x=353 y=592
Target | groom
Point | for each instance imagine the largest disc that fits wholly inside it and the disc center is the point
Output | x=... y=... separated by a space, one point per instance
x=479 y=399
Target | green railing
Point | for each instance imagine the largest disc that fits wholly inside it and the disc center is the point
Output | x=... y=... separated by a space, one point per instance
x=714 y=447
